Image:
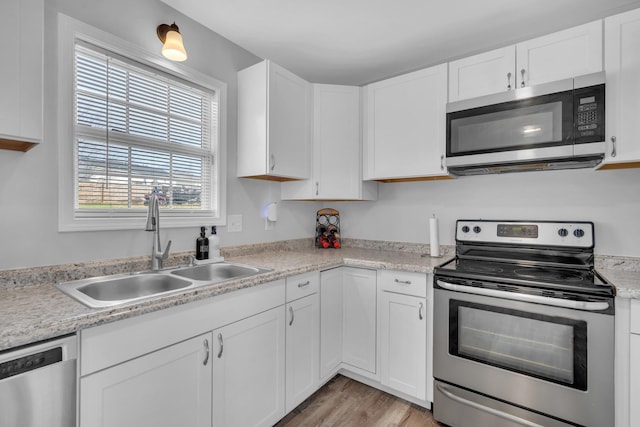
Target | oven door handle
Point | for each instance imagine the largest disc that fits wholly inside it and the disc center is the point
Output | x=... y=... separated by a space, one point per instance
x=556 y=302
x=492 y=411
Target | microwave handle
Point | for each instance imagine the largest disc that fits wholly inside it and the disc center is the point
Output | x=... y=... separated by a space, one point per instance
x=613 y=146
x=556 y=302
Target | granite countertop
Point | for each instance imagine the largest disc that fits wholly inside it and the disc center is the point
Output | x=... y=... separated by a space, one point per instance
x=32 y=309
x=35 y=312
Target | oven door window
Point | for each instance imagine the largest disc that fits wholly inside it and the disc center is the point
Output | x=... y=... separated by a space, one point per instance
x=547 y=347
x=539 y=122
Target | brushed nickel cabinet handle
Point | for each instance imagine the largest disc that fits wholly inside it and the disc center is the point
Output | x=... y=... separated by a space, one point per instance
x=442 y=162
x=206 y=352
x=317 y=188
x=303 y=284
x=291 y=312
x=402 y=282
x=273 y=162
x=221 y=345
x=508 y=81
x=420 y=316
x=522 y=82
x=613 y=146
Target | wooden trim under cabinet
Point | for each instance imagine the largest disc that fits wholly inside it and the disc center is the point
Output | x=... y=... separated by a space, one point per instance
x=413 y=179
x=13 y=145
x=625 y=165
x=271 y=178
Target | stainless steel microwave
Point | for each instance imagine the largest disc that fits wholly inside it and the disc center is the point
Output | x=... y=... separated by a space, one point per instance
x=557 y=125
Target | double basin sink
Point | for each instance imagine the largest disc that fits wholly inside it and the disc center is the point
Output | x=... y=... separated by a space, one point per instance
x=108 y=291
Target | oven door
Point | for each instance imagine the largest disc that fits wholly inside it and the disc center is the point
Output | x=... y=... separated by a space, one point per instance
x=548 y=359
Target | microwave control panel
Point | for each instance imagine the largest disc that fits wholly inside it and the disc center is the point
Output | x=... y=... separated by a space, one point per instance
x=589 y=114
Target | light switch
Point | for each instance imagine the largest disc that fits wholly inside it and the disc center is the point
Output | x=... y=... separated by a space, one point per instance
x=234 y=223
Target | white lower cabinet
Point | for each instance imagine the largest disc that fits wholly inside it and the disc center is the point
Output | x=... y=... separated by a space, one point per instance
x=167 y=388
x=302 y=342
x=634 y=383
x=403 y=343
x=359 y=320
x=249 y=371
x=330 y=322
x=403 y=322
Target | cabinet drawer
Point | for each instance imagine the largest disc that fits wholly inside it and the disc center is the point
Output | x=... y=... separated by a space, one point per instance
x=302 y=285
x=634 y=325
x=403 y=282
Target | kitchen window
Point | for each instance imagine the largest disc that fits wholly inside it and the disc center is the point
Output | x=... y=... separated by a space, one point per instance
x=137 y=125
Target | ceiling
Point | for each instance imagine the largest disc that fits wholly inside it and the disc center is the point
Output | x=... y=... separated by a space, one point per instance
x=360 y=41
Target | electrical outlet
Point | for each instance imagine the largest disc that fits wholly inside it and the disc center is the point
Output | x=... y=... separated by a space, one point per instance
x=234 y=223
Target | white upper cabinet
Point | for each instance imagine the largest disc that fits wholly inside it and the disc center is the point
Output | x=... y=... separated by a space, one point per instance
x=337 y=155
x=405 y=126
x=622 y=62
x=556 y=56
x=274 y=120
x=483 y=74
x=21 y=75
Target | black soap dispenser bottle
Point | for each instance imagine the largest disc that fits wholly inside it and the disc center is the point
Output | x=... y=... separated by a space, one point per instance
x=202 y=246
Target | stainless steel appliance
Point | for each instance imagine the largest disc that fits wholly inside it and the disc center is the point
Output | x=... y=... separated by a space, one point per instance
x=523 y=328
x=37 y=385
x=558 y=125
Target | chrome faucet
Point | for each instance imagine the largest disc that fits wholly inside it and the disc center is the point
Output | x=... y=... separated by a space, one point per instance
x=153 y=224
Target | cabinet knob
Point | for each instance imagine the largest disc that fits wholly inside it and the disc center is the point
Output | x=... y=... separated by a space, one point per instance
x=206 y=352
x=420 y=307
x=508 y=81
x=291 y=313
x=613 y=146
x=221 y=345
x=522 y=82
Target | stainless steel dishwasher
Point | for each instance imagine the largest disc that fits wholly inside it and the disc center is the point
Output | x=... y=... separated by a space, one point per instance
x=38 y=385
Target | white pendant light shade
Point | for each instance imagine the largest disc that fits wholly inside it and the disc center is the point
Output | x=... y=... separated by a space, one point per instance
x=173 y=47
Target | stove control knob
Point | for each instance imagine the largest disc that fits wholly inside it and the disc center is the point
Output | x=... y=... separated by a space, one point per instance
x=477 y=229
x=563 y=232
x=465 y=228
x=578 y=232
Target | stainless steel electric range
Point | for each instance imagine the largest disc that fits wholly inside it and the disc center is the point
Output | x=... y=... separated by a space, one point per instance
x=523 y=328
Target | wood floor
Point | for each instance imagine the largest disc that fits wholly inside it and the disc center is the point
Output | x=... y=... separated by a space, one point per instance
x=345 y=402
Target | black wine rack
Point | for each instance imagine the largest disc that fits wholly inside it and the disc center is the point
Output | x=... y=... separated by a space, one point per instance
x=328 y=228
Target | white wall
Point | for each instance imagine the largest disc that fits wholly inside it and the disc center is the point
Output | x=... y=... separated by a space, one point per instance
x=28 y=181
x=611 y=199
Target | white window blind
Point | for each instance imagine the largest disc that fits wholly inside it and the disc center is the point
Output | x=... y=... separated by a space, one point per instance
x=138 y=130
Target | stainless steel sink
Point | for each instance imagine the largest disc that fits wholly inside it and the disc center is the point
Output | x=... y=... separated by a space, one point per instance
x=218 y=272
x=108 y=291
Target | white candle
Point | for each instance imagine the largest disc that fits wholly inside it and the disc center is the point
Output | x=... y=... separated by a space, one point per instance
x=434 y=241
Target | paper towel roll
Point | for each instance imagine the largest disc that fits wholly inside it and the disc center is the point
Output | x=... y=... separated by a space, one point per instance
x=434 y=241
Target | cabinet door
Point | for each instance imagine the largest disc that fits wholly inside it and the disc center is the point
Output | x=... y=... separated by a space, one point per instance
x=359 y=320
x=405 y=129
x=302 y=341
x=330 y=322
x=483 y=74
x=337 y=154
x=248 y=371
x=21 y=76
x=170 y=387
x=622 y=62
x=289 y=122
x=560 y=55
x=403 y=343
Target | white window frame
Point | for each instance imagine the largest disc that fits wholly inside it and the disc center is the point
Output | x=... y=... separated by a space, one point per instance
x=70 y=31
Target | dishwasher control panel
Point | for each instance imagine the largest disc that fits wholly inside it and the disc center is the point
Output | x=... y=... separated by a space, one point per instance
x=30 y=362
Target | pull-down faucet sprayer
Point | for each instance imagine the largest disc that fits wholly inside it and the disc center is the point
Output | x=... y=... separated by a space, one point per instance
x=153 y=224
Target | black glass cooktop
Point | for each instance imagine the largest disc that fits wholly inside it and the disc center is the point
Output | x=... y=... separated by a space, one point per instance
x=583 y=279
